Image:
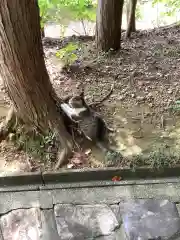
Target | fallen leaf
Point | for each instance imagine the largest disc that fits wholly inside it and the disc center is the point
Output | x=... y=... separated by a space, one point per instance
x=116 y=178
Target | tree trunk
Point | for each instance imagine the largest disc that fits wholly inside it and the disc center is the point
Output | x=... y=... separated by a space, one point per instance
x=108 y=24
x=131 y=27
x=128 y=8
x=24 y=73
x=42 y=32
x=42 y=29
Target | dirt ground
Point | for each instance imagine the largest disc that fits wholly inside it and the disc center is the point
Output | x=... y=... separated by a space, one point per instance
x=146 y=74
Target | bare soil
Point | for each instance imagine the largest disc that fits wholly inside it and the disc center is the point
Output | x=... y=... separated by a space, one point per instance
x=146 y=73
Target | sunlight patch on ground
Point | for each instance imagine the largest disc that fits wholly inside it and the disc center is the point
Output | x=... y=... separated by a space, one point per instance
x=3 y=111
x=135 y=135
x=10 y=167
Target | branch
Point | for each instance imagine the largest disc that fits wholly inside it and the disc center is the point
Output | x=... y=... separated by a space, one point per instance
x=104 y=99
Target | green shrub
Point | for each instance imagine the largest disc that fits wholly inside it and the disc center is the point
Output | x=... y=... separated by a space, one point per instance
x=67 y=54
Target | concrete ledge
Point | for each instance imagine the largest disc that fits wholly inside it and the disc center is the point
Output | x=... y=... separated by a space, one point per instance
x=88 y=184
x=106 y=174
x=104 y=184
x=87 y=175
x=21 y=179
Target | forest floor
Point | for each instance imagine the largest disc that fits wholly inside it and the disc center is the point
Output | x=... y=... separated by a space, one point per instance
x=143 y=108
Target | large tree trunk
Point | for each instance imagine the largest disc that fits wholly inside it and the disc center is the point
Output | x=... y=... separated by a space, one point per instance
x=108 y=24
x=24 y=73
x=131 y=16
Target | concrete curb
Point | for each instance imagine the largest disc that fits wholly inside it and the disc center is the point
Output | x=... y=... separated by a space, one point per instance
x=21 y=179
x=86 y=175
x=106 y=174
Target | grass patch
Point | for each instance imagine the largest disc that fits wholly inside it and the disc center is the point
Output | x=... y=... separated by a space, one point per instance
x=160 y=157
x=34 y=144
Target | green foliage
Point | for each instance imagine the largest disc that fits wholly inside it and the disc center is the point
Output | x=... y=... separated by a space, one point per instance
x=160 y=157
x=139 y=14
x=35 y=144
x=80 y=9
x=163 y=157
x=112 y=158
x=45 y=8
x=176 y=106
x=172 y=6
x=67 y=54
x=58 y=10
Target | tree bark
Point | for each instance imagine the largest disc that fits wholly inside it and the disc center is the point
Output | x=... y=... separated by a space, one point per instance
x=24 y=73
x=131 y=26
x=108 y=24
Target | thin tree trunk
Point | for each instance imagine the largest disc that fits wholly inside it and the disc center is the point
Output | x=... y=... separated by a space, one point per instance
x=84 y=28
x=108 y=24
x=132 y=18
x=42 y=29
x=128 y=8
x=42 y=32
x=24 y=73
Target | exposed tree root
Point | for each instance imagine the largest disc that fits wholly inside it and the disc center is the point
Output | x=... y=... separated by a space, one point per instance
x=63 y=137
x=91 y=105
x=7 y=124
x=63 y=155
x=95 y=104
x=65 y=142
x=104 y=99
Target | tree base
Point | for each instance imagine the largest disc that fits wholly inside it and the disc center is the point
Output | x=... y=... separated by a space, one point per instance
x=55 y=144
x=63 y=148
x=128 y=33
x=63 y=155
x=7 y=125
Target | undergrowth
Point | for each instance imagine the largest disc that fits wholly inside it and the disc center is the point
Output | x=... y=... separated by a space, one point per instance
x=159 y=157
x=34 y=144
x=44 y=148
x=68 y=54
